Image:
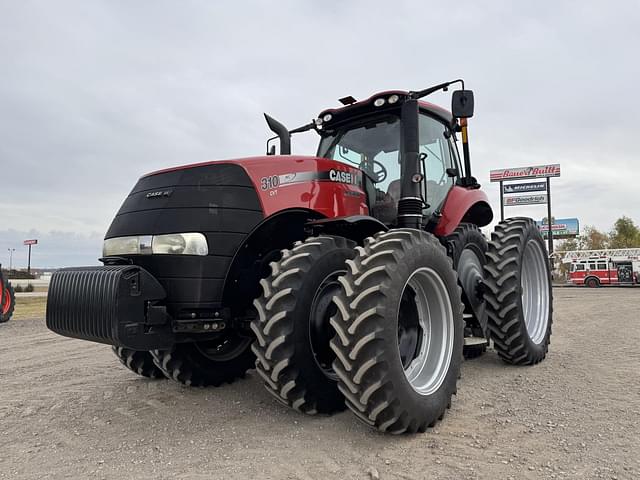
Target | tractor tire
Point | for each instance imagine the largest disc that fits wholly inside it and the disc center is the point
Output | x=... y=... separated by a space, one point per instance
x=8 y=303
x=592 y=282
x=292 y=329
x=467 y=248
x=210 y=363
x=518 y=292
x=138 y=362
x=399 y=332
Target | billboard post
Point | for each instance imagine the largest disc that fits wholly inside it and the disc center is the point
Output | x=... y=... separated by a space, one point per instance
x=549 y=221
x=29 y=243
x=501 y=201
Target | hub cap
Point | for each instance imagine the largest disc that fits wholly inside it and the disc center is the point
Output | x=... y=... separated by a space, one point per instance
x=470 y=274
x=535 y=291
x=425 y=331
x=226 y=347
x=320 y=331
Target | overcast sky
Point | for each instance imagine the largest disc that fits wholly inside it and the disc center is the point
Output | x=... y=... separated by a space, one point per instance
x=94 y=94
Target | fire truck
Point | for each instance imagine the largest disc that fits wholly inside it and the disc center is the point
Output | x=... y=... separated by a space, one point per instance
x=594 y=268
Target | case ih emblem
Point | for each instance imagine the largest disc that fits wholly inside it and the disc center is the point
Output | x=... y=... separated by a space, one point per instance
x=159 y=193
x=342 y=177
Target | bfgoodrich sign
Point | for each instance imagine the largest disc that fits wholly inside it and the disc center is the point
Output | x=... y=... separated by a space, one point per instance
x=525 y=200
x=521 y=173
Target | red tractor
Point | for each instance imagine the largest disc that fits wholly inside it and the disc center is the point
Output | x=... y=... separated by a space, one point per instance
x=7 y=299
x=354 y=277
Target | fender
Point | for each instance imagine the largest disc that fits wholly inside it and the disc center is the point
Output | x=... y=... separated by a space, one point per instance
x=463 y=205
x=354 y=227
x=261 y=246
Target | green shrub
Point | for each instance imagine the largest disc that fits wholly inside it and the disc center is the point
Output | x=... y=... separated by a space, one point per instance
x=18 y=288
x=29 y=288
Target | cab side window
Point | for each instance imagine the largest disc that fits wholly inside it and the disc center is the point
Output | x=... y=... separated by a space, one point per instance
x=437 y=157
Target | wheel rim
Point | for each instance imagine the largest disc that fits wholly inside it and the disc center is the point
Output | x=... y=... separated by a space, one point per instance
x=226 y=347
x=320 y=330
x=425 y=331
x=470 y=273
x=535 y=291
x=6 y=301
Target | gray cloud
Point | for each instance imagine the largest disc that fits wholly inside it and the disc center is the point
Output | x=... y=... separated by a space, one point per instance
x=94 y=94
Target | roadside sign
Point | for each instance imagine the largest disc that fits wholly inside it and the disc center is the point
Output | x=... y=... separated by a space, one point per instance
x=30 y=242
x=522 y=173
x=525 y=200
x=524 y=187
x=560 y=228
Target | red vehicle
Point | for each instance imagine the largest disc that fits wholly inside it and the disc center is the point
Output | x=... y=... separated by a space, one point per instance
x=594 y=268
x=354 y=278
x=7 y=299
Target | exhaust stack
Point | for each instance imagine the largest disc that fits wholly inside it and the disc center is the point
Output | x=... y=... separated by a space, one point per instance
x=283 y=134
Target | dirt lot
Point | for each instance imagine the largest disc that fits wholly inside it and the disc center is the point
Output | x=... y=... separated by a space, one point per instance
x=69 y=410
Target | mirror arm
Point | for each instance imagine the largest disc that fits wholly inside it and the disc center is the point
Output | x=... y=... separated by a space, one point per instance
x=304 y=128
x=430 y=90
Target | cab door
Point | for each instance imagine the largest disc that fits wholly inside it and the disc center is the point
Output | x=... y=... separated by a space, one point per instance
x=439 y=161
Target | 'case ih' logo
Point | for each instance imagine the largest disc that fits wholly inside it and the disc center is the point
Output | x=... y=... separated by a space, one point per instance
x=342 y=177
x=159 y=193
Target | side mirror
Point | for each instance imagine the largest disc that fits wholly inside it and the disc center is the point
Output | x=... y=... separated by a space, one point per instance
x=462 y=104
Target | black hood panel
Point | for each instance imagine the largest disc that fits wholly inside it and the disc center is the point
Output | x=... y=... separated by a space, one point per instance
x=218 y=200
x=209 y=198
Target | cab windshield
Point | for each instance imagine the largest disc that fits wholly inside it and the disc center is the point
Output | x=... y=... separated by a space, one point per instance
x=372 y=146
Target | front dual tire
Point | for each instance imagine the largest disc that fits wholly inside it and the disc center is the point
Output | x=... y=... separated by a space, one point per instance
x=399 y=332
x=292 y=327
x=394 y=309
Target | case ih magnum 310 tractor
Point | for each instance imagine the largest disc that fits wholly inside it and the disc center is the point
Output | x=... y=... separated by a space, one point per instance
x=354 y=277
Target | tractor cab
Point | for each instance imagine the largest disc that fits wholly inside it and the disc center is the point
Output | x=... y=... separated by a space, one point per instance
x=405 y=148
x=370 y=138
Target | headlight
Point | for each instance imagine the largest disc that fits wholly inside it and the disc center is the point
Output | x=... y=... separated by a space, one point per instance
x=121 y=246
x=180 y=244
x=170 y=244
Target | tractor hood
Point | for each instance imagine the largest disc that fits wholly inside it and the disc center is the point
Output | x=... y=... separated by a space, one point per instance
x=289 y=181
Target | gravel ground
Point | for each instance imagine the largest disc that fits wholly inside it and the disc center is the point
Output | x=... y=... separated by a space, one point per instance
x=69 y=410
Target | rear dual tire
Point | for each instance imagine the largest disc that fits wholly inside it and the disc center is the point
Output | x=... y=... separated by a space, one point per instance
x=467 y=247
x=518 y=292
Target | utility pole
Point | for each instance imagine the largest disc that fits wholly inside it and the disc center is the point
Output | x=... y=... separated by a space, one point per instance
x=11 y=250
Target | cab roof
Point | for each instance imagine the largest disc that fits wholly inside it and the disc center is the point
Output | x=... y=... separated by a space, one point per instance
x=367 y=106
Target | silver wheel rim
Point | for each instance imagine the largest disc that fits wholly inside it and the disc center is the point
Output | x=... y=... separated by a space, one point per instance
x=534 y=282
x=429 y=367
